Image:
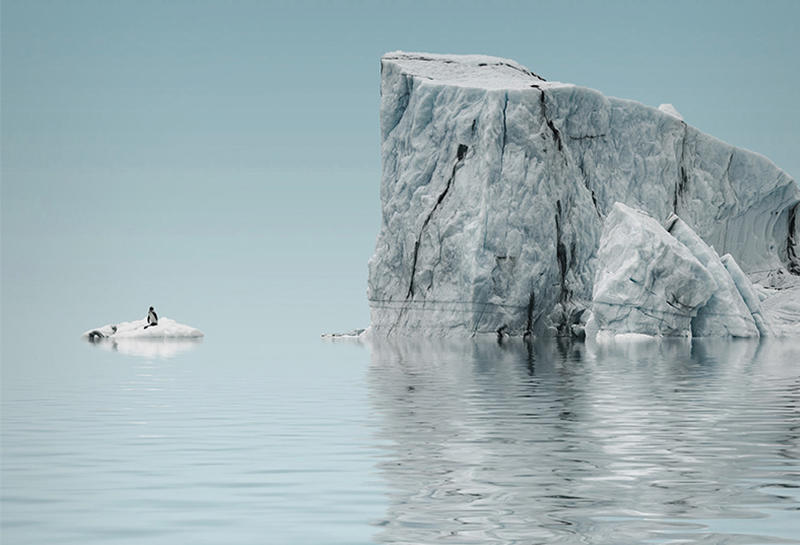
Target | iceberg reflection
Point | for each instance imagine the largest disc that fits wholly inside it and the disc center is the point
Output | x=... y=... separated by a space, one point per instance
x=149 y=348
x=551 y=442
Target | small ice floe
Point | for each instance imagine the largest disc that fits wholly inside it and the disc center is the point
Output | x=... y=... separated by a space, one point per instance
x=164 y=339
x=356 y=334
x=139 y=329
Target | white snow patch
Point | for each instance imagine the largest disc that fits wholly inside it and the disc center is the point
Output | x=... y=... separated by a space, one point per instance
x=476 y=71
x=671 y=110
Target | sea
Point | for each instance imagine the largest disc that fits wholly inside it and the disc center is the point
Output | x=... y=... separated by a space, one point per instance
x=404 y=441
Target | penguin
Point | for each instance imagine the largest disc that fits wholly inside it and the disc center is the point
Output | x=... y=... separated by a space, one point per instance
x=152 y=318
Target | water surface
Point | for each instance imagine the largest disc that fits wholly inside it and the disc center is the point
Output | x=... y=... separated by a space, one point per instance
x=402 y=442
x=554 y=443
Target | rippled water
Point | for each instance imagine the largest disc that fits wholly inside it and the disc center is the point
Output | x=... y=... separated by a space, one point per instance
x=656 y=442
x=403 y=442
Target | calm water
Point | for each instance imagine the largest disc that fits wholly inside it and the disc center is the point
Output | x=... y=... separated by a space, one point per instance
x=402 y=442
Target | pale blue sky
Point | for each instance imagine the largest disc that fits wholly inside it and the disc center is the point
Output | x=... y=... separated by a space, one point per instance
x=220 y=160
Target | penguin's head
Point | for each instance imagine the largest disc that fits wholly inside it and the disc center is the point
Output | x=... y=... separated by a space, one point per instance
x=151 y=308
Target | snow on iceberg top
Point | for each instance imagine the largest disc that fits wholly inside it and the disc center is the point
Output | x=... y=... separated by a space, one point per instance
x=166 y=329
x=498 y=73
x=671 y=110
x=480 y=71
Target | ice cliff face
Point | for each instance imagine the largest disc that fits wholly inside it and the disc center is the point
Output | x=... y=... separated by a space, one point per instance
x=647 y=281
x=496 y=184
x=661 y=281
x=725 y=313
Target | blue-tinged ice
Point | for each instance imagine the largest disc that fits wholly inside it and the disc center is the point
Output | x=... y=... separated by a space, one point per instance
x=496 y=185
x=748 y=293
x=725 y=314
x=647 y=281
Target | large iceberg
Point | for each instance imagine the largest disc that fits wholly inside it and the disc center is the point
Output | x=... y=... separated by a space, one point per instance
x=496 y=185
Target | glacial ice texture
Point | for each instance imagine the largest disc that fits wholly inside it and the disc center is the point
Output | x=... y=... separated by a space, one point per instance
x=496 y=184
x=647 y=281
x=725 y=314
x=668 y=282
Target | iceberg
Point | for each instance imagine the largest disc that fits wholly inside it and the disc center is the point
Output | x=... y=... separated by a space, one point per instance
x=166 y=329
x=725 y=314
x=747 y=291
x=496 y=185
x=647 y=281
x=781 y=311
x=667 y=282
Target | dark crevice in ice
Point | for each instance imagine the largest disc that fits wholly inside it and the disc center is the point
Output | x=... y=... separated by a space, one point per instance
x=517 y=68
x=405 y=57
x=460 y=154
x=588 y=136
x=792 y=242
x=677 y=305
x=683 y=176
x=683 y=182
x=556 y=135
x=501 y=332
x=553 y=129
x=505 y=133
x=568 y=313
x=505 y=126
x=585 y=177
x=451 y=61
x=670 y=224
x=728 y=167
x=561 y=253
